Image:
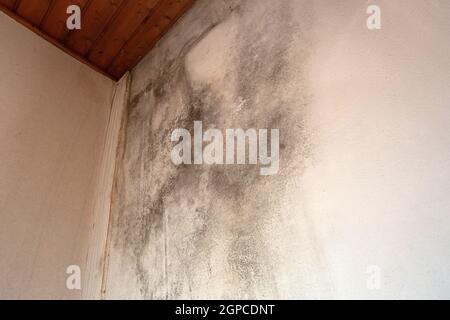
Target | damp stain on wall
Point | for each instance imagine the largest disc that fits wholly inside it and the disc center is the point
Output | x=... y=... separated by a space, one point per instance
x=197 y=231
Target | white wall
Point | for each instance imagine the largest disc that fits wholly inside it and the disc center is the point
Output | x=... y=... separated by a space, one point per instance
x=378 y=188
x=53 y=117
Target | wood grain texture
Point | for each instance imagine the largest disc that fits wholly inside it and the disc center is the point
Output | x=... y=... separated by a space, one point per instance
x=120 y=31
x=148 y=35
x=114 y=34
x=57 y=44
x=96 y=17
x=33 y=10
x=54 y=23
x=10 y=4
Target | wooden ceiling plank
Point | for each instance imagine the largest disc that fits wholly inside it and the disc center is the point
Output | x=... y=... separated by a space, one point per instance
x=114 y=35
x=120 y=30
x=33 y=10
x=94 y=20
x=33 y=28
x=8 y=3
x=148 y=35
x=54 y=24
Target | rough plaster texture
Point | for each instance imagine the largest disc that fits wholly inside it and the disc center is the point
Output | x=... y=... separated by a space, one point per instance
x=53 y=117
x=365 y=164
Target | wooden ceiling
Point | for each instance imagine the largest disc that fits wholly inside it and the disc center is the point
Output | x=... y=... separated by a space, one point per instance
x=115 y=34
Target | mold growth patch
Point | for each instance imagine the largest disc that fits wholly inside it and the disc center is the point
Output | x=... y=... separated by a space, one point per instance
x=208 y=231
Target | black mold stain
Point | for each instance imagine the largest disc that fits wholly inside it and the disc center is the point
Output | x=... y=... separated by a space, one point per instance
x=140 y=218
x=148 y=183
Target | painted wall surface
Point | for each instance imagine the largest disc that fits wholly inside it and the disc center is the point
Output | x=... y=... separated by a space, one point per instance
x=365 y=159
x=53 y=117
